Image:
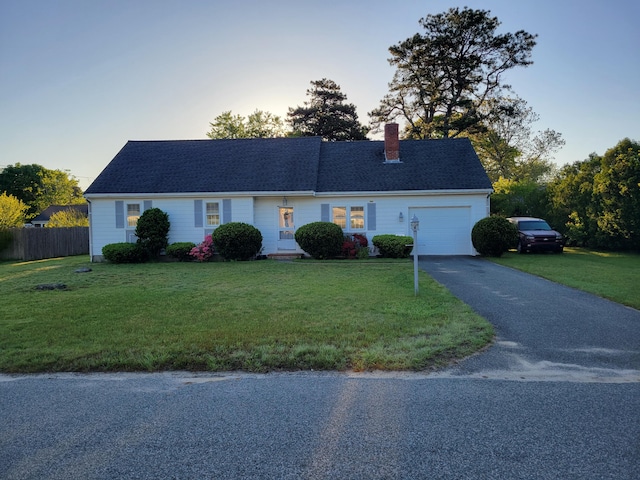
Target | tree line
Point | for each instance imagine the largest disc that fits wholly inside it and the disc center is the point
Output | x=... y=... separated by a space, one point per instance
x=594 y=202
x=26 y=190
x=449 y=81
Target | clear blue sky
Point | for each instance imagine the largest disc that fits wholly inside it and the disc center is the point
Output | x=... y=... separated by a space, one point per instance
x=79 y=78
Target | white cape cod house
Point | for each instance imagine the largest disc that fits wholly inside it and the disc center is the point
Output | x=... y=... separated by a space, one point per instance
x=280 y=184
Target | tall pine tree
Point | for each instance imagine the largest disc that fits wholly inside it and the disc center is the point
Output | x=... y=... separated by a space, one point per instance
x=326 y=114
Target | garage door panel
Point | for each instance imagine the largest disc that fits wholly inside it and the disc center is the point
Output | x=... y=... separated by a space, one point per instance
x=443 y=230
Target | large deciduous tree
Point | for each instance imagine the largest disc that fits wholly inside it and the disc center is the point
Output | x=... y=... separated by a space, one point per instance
x=326 y=114
x=446 y=74
x=599 y=198
x=259 y=124
x=38 y=187
x=575 y=204
x=509 y=148
x=512 y=198
x=618 y=185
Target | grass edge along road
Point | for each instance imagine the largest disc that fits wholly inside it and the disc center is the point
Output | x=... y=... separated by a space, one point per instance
x=253 y=316
x=611 y=275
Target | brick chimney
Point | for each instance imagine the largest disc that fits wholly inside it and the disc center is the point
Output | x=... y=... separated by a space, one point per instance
x=391 y=143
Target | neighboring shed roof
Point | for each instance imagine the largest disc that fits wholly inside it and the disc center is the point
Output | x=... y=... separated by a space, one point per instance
x=305 y=164
x=46 y=214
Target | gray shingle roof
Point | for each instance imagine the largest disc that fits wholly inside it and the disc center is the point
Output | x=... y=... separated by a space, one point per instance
x=447 y=164
x=289 y=164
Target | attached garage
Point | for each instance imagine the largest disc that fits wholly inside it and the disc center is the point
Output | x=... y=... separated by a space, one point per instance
x=444 y=230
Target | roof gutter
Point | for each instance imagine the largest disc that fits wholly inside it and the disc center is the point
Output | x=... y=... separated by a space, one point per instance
x=288 y=193
x=481 y=191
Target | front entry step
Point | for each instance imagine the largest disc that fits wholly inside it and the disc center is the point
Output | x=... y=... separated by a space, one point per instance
x=285 y=256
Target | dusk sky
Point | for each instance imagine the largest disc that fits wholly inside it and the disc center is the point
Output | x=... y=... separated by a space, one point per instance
x=78 y=78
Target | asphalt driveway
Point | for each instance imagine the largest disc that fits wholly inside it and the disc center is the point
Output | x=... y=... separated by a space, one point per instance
x=557 y=397
x=544 y=330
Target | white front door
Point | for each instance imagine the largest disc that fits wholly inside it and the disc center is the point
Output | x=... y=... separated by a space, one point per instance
x=286 y=229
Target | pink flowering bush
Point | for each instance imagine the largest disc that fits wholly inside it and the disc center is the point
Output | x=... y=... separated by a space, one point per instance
x=204 y=251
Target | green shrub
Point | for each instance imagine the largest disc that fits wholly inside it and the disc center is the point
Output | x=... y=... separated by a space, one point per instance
x=321 y=240
x=237 y=241
x=152 y=231
x=125 y=253
x=393 y=246
x=492 y=236
x=181 y=251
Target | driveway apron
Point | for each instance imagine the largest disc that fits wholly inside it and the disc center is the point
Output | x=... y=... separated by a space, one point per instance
x=544 y=331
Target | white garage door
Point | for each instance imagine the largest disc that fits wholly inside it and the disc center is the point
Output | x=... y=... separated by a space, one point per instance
x=444 y=230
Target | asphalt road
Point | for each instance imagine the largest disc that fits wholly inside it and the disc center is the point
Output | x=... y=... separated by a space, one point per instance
x=557 y=397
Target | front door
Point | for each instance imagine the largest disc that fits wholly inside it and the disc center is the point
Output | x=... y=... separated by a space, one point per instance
x=286 y=229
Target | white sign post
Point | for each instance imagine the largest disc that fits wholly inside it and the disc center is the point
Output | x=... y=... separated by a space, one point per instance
x=415 y=226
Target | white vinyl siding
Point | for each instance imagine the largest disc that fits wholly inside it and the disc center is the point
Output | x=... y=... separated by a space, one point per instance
x=445 y=220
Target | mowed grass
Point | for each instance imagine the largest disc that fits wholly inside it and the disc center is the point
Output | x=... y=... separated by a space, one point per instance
x=252 y=316
x=612 y=275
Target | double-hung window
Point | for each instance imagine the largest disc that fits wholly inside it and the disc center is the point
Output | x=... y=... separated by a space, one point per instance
x=348 y=217
x=356 y=218
x=133 y=214
x=339 y=215
x=212 y=214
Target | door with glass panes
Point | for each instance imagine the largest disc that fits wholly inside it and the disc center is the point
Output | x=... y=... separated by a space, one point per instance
x=286 y=229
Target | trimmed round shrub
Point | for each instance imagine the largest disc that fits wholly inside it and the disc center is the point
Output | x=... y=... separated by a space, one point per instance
x=492 y=236
x=180 y=251
x=393 y=246
x=237 y=241
x=152 y=231
x=321 y=240
x=125 y=253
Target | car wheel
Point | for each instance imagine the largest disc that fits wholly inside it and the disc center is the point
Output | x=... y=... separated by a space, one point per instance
x=520 y=248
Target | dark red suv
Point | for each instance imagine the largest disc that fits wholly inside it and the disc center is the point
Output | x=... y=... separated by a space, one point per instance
x=534 y=234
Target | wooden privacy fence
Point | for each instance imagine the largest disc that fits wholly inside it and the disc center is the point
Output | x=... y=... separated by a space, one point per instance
x=38 y=243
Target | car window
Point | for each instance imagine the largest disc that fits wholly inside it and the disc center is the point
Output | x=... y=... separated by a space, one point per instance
x=534 y=225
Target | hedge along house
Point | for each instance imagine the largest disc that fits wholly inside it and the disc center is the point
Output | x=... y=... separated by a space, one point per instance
x=280 y=184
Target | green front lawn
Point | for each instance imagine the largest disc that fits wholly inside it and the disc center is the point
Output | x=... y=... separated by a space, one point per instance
x=612 y=275
x=254 y=316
